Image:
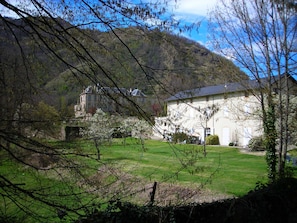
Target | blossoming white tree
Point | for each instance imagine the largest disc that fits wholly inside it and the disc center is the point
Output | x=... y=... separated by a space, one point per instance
x=100 y=129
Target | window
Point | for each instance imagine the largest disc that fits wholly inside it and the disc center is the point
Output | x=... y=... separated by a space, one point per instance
x=89 y=97
x=207 y=131
x=246 y=109
x=192 y=112
x=226 y=111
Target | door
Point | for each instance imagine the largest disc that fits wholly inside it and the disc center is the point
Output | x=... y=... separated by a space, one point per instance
x=226 y=137
x=247 y=135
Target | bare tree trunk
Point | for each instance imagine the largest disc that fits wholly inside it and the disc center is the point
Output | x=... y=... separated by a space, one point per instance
x=285 y=131
x=204 y=142
x=281 y=128
x=97 y=148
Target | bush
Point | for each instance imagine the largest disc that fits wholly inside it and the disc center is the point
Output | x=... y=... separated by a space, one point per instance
x=180 y=137
x=194 y=140
x=256 y=144
x=212 y=140
x=233 y=143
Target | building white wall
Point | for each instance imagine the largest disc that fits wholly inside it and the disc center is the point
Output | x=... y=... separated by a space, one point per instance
x=237 y=119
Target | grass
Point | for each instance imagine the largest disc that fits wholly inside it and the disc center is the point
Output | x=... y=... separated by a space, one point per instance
x=224 y=170
x=19 y=207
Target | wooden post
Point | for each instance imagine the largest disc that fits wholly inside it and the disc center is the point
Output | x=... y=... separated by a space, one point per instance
x=153 y=193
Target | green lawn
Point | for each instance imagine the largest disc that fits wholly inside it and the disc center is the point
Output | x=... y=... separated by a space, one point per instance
x=224 y=170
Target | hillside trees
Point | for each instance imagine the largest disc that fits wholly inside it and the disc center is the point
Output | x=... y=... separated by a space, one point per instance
x=40 y=120
x=260 y=36
x=48 y=26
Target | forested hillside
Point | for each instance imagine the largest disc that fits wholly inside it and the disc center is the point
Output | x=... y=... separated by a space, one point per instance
x=156 y=62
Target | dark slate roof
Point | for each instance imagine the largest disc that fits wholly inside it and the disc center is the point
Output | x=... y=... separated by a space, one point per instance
x=215 y=90
x=113 y=90
x=137 y=93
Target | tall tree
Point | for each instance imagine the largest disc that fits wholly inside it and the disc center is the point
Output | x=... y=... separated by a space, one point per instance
x=47 y=25
x=260 y=37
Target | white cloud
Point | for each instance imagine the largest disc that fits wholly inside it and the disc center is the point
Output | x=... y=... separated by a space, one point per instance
x=194 y=11
x=195 y=7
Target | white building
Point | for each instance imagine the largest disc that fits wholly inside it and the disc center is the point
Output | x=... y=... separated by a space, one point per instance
x=109 y=100
x=237 y=120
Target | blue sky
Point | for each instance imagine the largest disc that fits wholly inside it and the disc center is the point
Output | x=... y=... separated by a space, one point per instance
x=194 y=11
x=187 y=10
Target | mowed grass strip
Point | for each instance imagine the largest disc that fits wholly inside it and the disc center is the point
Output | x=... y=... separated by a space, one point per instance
x=224 y=169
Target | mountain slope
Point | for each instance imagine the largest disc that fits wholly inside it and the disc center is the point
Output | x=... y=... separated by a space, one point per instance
x=156 y=62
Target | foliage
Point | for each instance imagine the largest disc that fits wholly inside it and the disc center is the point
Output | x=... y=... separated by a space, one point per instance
x=180 y=137
x=100 y=126
x=141 y=129
x=47 y=119
x=212 y=140
x=270 y=142
x=293 y=152
x=256 y=144
x=100 y=129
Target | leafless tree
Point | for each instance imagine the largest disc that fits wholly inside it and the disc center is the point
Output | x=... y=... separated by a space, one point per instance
x=205 y=114
x=260 y=36
x=48 y=25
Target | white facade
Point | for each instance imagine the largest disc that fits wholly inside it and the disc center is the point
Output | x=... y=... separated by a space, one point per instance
x=110 y=100
x=237 y=119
